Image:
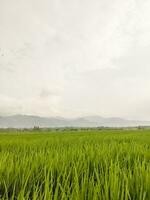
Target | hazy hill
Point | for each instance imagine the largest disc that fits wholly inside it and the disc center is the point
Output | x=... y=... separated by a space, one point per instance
x=25 y=121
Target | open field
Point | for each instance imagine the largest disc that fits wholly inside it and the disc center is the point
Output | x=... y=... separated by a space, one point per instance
x=104 y=164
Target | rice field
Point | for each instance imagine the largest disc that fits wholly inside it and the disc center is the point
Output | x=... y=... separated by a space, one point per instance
x=75 y=165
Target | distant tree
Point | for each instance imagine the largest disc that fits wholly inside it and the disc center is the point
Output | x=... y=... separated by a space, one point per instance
x=37 y=128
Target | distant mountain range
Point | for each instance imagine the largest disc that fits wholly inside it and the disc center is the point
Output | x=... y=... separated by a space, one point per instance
x=25 y=121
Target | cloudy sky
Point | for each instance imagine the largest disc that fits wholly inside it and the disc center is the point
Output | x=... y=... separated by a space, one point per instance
x=75 y=57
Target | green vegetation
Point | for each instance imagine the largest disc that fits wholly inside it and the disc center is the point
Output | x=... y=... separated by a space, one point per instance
x=76 y=165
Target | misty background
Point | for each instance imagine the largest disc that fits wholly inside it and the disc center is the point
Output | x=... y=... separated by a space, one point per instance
x=75 y=58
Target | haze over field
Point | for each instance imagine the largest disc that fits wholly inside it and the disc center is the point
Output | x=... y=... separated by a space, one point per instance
x=75 y=58
x=25 y=121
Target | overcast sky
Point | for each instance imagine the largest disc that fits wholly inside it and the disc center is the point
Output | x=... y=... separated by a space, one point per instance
x=75 y=57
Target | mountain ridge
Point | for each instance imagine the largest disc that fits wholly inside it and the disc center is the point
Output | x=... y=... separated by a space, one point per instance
x=29 y=121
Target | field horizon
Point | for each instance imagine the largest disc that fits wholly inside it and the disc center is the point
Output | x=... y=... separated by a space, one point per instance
x=30 y=121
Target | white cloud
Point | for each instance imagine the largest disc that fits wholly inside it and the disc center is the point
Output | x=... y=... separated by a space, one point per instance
x=73 y=58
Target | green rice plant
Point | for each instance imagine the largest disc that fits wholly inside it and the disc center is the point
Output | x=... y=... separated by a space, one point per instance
x=75 y=165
